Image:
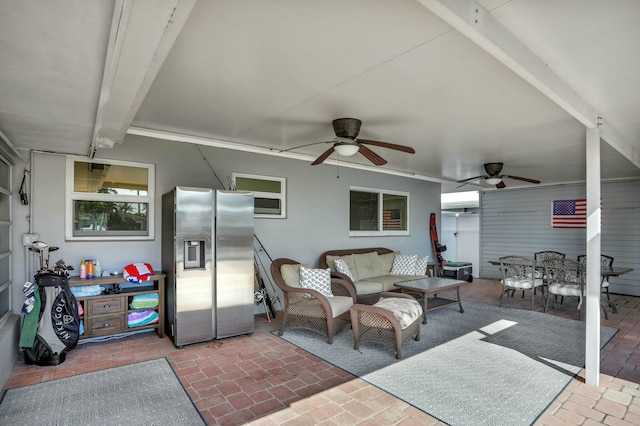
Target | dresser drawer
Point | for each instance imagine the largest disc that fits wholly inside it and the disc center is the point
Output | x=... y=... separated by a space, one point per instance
x=106 y=325
x=106 y=305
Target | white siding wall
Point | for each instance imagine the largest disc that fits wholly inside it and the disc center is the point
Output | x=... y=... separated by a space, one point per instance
x=518 y=222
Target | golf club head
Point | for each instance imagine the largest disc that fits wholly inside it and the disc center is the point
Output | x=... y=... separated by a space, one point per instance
x=53 y=248
x=35 y=250
x=40 y=244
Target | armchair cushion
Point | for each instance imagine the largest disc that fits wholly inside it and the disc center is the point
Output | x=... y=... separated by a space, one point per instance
x=404 y=264
x=291 y=274
x=316 y=279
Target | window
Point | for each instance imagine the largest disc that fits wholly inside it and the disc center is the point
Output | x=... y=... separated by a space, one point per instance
x=5 y=240
x=269 y=194
x=109 y=200
x=374 y=212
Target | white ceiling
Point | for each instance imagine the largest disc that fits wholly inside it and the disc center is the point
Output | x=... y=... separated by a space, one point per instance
x=463 y=83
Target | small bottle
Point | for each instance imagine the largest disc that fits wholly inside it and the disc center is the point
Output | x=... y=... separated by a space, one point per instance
x=97 y=269
x=83 y=269
x=90 y=270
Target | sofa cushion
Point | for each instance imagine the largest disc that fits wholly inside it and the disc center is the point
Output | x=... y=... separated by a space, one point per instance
x=316 y=279
x=404 y=264
x=387 y=281
x=368 y=287
x=386 y=262
x=367 y=265
x=343 y=268
x=349 y=261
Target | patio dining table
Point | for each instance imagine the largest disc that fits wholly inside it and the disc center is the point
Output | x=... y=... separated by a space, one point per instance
x=605 y=272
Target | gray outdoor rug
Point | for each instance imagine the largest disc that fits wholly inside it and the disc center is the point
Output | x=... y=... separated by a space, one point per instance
x=146 y=393
x=488 y=365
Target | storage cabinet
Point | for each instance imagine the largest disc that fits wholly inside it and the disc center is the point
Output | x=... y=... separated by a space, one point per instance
x=107 y=314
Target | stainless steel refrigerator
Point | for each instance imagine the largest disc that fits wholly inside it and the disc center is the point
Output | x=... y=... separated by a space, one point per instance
x=207 y=255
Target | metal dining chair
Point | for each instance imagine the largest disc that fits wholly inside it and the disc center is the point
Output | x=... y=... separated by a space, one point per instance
x=518 y=273
x=540 y=257
x=606 y=262
x=564 y=277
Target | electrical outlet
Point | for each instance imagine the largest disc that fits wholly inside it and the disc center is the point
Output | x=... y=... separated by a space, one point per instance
x=28 y=239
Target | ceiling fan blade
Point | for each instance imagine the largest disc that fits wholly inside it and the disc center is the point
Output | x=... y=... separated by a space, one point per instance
x=302 y=146
x=323 y=156
x=372 y=156
x=389 y=145
x=467 y=180
x=501 y=185
x=521 y=178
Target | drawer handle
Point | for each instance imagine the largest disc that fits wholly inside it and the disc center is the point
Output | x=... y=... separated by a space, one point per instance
x=106 y=325
x=106 y=306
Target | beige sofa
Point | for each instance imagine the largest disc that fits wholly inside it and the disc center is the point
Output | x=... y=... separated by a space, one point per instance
x=371 y=269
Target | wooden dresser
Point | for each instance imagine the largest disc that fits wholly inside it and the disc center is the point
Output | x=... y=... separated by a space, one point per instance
x=106 y=314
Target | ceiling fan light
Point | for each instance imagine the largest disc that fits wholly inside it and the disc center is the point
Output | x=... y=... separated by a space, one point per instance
x=346 y=150
x=493 y=180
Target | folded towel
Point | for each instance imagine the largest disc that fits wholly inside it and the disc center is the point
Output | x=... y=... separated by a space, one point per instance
x=86 y=290
x=142 y=301
x=140 y=318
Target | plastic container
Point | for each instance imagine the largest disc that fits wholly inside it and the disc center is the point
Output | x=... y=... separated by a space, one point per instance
x=97 y=270
x=90 y=268
x=83 y=269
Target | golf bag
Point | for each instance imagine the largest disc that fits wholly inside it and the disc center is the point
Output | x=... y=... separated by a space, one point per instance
x=59 y=323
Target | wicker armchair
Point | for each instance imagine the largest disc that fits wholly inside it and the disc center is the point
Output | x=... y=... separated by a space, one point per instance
x=371 y=323
x=323 y=315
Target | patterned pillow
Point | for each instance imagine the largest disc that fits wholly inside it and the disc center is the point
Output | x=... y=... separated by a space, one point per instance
x=421 y=265
x=316 y=279
x=404 y=264
x=343 y=268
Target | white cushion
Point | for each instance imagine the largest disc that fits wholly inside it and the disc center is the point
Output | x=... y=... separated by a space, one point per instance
x=406 y=311
x=421 y=266
x=404 y=264
x=522 y=283
x=343 y=268
x=316 y=279
x=562 y=289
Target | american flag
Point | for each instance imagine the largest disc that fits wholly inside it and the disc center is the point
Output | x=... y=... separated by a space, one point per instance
x=391 y=219
x=569 y=213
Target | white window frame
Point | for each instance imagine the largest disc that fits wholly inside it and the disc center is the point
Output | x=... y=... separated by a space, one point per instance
x=380 y=232
x=72 y=196
x=6 y=287
x=282 y=196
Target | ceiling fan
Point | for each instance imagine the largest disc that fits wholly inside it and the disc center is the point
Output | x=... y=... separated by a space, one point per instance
x=346 y=143
x=493 y=176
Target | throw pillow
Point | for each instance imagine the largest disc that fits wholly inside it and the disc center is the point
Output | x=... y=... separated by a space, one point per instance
x=343 y=268
x=316 y=279
x=421 y=265
x=404 y=264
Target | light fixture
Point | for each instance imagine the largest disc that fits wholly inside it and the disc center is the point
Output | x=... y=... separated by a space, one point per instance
x=493 y=180
x=346 y=149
